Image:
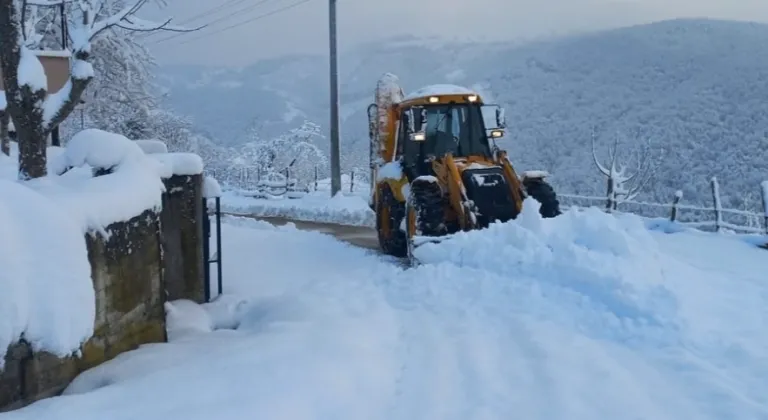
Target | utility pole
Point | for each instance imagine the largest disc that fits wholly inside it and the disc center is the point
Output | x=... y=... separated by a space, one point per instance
x=335 y=147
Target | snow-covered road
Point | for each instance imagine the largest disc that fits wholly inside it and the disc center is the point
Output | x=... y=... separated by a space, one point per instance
x=586 y=316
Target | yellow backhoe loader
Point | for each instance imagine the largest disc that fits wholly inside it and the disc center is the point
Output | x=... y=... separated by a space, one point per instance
x=436 y=169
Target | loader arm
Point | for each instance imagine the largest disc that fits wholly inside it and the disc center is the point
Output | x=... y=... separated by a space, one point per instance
x=512 y=180
x=456 y=192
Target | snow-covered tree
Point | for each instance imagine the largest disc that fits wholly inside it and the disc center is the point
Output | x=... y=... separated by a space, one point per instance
x=295 y=153
x=34 y=112
x=624 y=181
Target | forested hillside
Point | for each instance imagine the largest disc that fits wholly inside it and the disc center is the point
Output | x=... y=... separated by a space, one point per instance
x=696 y=90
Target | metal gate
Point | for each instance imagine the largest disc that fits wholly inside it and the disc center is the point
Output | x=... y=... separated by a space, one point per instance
x=209 y=259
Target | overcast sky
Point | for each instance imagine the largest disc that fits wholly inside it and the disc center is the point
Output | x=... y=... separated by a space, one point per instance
x=304 y=28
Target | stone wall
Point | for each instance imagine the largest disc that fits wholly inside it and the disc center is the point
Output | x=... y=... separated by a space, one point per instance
x=182 y=222
x=145 y=261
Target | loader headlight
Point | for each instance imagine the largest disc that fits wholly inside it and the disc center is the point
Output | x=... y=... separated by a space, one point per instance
x=434 y=99
x=472 y=98
x=497 y=134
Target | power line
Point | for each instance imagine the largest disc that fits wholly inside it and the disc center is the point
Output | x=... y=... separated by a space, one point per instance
x=218 y=8
x=212 y=10
x=282 y=9
x=223 y=18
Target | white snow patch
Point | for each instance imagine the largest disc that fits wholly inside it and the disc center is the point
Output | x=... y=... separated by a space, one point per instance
x=152 y=146
x=31 y=71
x=184 y=318
x=133 y=186
x=226 y=311
x=211 y=187
x=390 y=170
x=439 y=89
x=679 y=194
x=82 y=69
x=314 y=207
x=535 y=174
x=427 y=178
x=47 y=291
x=181 y=163
x=99 y=149
x=3 y=105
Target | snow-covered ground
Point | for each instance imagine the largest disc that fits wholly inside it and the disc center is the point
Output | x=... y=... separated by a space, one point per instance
x=586 y=316
x=350 y=207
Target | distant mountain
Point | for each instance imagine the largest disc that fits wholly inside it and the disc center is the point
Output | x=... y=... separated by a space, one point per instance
x=697 y=89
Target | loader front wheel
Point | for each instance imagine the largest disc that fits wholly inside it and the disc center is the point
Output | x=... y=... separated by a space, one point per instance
x=426 y=203
x=542 y=192
x=389 y=215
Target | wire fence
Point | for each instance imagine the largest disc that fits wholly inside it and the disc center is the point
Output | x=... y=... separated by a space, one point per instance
x=357 y=181
x=715 y=218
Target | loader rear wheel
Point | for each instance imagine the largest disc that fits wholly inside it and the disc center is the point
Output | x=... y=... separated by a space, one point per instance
x=542 y=192
x=389 y=215
x=426 y=203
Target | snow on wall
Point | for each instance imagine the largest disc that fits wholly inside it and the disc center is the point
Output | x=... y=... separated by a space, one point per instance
x=211 y=187
x=99 y=149
x=47 y=294
x=180 y=163
x=47 y=291
x=134 y=185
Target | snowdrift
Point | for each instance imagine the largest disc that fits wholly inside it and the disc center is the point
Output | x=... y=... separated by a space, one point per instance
x=586 y=316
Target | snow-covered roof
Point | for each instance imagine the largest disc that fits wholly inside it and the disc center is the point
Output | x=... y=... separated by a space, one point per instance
x=440 y=89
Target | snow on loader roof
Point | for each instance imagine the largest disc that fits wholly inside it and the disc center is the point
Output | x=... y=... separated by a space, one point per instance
x=439 y=90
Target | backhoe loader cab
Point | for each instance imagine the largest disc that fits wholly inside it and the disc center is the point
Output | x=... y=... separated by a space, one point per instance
x=436 y=168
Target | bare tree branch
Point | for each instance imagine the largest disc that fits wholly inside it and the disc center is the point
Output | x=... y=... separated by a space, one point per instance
x=600 y=167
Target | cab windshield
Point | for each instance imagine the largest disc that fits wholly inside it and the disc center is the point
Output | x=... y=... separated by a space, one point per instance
x=456 y=129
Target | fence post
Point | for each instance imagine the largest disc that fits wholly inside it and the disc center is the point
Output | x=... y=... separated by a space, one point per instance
x=352 y=182
x=716 y=201
x=764 y=195
x=611 y=196
x=675 y=201
x=315 y=177
x=287 y=178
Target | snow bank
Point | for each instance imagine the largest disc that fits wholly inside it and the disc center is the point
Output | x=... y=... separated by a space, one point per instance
x=184 y=318
x=314 y=207
x=47 y=292
x=582 y=257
